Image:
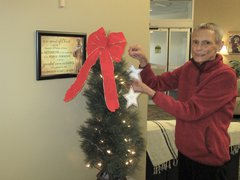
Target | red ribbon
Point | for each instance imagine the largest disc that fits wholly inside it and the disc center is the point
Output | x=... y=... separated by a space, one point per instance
x=106 y=49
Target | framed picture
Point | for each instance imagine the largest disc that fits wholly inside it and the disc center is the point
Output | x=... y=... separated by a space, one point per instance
x=234 y=43
x=59 y=54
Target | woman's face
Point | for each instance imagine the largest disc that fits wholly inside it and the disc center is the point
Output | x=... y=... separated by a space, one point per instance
x=204 y=45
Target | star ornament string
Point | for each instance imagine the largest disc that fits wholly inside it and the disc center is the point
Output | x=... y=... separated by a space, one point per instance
x=131 y=96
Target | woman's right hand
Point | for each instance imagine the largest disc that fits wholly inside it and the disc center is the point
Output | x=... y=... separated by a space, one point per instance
x=136 y=52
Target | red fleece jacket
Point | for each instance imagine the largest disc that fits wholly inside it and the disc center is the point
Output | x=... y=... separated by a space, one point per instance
x=204 y=109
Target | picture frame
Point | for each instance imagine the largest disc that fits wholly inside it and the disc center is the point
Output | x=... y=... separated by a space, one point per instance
x=59 y=54
x=234 y=42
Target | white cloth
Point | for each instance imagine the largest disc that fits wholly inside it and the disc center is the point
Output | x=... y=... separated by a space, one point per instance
x=234 y=132
x=161 y=142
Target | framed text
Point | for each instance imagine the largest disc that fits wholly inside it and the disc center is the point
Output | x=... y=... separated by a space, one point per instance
x=59 y=54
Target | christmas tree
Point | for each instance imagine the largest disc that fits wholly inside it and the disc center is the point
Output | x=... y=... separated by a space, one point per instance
x=111 y=141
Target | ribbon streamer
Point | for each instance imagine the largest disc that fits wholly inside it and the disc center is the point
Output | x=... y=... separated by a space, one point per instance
x=106 y=49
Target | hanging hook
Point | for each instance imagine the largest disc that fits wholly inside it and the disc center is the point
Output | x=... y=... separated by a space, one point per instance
x=61 y=3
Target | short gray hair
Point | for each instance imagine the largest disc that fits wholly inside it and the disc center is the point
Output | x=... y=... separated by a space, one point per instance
x=211 y=26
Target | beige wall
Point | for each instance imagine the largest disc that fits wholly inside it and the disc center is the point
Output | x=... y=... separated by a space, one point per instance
x=38 y=138
x=223 y=12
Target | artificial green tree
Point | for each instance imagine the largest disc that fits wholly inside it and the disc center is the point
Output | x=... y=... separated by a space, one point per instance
x=111 y=141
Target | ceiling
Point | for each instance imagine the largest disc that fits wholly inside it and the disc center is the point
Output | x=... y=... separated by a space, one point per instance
x=170 y=9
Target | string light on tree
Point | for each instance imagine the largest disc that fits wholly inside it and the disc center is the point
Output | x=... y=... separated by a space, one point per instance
x=99 y=164
x=109 y=151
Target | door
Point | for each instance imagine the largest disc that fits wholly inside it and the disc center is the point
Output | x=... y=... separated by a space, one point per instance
x=159 y=49
x=169 y=49
x=179 y=42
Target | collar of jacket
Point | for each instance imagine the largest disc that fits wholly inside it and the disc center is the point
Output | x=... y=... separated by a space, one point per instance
x=207 y=65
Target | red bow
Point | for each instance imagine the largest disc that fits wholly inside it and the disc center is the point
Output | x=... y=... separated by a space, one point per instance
x=106 y=49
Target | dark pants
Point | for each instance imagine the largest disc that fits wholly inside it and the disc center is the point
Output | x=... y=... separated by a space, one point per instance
x=192 y=170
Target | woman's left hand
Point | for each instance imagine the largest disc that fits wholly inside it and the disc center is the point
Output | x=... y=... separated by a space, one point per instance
x=139 y=86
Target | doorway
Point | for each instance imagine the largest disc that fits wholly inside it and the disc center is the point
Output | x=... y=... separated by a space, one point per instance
x=169 y=48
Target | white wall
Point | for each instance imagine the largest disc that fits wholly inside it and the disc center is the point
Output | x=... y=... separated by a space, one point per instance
x=38 y=139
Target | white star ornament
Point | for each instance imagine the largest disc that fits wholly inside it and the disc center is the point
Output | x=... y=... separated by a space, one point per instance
x=134 y=73
x=131 y=98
